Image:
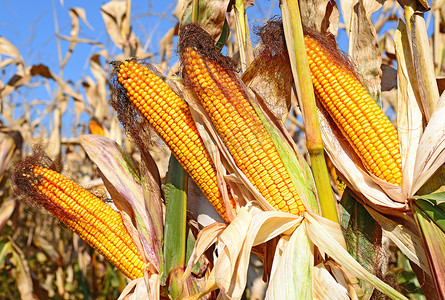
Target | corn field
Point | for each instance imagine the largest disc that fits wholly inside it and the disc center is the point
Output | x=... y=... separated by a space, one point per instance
x=248 y=150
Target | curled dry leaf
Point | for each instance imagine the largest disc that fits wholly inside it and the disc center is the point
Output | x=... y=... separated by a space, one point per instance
x=8 y=49
x=320 y=15
x=325 y=285
x=114 y=14
x=211 y=15
x=21 y=79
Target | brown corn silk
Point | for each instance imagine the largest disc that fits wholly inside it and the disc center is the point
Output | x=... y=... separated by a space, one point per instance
x=357 y=115
x=170 y=117
x=93 y=220
x=210 y=75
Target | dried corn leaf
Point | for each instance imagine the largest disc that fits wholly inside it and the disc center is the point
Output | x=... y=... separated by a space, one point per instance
x=114 y=14
x=431 y=150
x=8 y=49
x=409 y=116
x=346 y=7
x=211 y=15
x=19 y=79
x=100 y=104
x=75 y=14
x=363 y=47
x=316 y=230
x=424 y=65
x=23 y=279
x=320 y=15
x=6 y=210
x=325 y=285
x=166 y=44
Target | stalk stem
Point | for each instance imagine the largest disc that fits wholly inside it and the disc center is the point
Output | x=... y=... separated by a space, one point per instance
x=314 y=141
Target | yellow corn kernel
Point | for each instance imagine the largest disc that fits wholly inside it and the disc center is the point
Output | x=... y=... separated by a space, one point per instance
x=170 y=116
x=93 y=220
x=241 y=130
x=358 y=117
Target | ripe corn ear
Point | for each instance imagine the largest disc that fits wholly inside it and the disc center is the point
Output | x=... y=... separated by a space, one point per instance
x=93 y=220
x=241 y=130
x=170 y=116
x=358 y=117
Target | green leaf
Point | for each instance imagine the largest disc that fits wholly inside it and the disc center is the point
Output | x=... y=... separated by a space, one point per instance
x=433 y=205
x=361 y=233
x=433 y=238
x=175 y=195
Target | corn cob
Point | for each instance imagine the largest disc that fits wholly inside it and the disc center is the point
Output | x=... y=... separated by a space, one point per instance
x=95 y=127
x=170 y=116
x=360 y=119
x=241 y=130
x=93 y=220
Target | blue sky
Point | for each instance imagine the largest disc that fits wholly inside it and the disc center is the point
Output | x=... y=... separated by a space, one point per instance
x=30 y=26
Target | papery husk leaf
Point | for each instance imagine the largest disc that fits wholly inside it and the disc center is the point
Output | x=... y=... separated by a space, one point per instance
x=250 y=230
x=363 y=47
x=213 y=143
x=434 y=243
x=431 y=150
x=409 y=115
x=324 y=241
x=405 y=238
x=153 y=206
x=206 y=238
x=349 y=282
x=326 y=286
x=251 y=227
x=424 y=63
x=291 y=275
x=118 y=170
x=199 y=208
x=352 y=171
